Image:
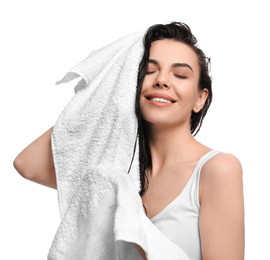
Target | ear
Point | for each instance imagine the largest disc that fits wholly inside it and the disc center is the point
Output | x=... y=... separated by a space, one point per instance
x=203 y=94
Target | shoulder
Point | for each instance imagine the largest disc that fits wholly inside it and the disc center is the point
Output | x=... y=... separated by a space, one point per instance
x=222 y=163
x=222 y=171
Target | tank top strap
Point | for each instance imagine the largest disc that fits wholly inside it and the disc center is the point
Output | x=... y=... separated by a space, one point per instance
x=197 y=174
x=205 y=158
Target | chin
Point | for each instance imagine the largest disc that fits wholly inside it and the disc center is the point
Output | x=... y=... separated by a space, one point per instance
x=159 y=121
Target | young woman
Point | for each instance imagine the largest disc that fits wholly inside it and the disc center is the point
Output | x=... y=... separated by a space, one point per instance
x=192 y=193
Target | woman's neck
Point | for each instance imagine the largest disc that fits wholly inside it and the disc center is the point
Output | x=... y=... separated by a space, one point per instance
x=170 y=146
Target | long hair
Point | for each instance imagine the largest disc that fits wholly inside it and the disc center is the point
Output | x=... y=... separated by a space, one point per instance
x=182 y=33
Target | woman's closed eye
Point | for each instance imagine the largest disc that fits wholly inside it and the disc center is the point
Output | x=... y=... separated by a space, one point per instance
x=151 y=68
x=181 y=73
x=150 y=72
x=180 y=76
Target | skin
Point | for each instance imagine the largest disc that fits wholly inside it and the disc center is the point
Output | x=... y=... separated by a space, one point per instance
x=35 y=162
x=174 y=152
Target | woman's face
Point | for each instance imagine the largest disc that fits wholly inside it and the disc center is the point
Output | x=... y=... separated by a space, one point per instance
x=170 y=88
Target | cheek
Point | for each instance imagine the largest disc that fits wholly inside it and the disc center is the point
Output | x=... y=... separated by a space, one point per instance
x=144 y=89
x=142 y=99
x=147 y=82
x=188 y=92
x=142 y=103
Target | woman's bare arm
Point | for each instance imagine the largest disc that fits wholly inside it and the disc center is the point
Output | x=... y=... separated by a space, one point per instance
x=35 y=162
x=222 y=209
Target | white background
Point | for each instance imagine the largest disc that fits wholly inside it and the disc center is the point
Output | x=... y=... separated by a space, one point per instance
x=41 y=40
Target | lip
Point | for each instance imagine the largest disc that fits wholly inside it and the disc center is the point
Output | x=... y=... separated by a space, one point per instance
x=159 y=95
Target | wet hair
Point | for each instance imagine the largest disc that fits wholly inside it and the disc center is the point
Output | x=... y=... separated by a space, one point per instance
x=179 y=32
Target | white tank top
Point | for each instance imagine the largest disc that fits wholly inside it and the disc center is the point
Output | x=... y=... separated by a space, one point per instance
x=179 y=221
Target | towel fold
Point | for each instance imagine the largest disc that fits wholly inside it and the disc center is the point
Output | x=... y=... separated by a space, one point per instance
x=93 y=144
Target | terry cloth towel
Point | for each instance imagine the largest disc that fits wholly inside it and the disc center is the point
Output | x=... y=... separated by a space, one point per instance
x=93 y=144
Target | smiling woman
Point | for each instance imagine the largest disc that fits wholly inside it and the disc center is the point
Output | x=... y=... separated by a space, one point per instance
x=191 y=192
x=191 y=196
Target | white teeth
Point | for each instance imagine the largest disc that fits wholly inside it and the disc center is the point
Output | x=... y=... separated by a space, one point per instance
x=161 y=100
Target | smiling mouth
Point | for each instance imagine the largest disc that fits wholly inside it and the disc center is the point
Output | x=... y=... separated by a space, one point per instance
x=161 y=98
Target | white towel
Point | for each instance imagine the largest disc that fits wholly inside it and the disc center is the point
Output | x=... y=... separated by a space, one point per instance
x=93 y=145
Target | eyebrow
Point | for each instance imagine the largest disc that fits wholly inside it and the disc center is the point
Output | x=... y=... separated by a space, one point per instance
x=173 y=65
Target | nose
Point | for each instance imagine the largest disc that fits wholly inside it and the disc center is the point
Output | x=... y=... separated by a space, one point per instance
x=161 y=84
x=161 y=81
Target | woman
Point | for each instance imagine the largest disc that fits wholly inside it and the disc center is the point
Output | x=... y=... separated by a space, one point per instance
x=173 y=97
x=192 y=194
